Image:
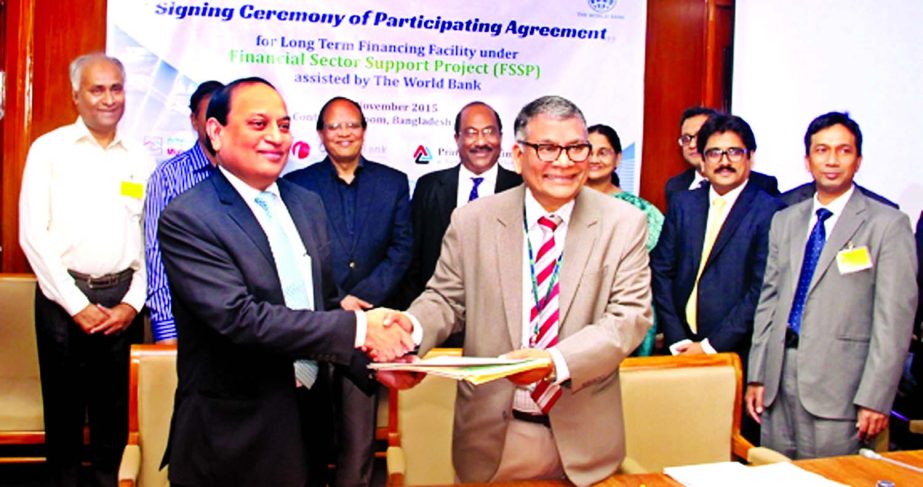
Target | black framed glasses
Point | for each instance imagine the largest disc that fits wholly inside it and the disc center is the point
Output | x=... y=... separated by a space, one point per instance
x=551 y=152
x=734 y=154
x=685 y=139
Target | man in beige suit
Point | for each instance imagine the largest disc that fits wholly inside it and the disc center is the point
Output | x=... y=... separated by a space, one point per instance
x=577 y=292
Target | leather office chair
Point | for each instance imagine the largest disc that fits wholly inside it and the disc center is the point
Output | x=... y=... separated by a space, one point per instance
x=420 y=431
x=21 y=418
x=684 y=410
x=152 y=384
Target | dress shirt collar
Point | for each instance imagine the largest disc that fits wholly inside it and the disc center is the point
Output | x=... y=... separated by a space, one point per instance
x=729 y=198
x=534 y=210
x=697 y=179
x=490 y=175
x=82 y=132
x=836 y=206
x=247 y=192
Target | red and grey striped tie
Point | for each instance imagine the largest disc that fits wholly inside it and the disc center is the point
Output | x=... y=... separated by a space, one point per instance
x=545 y=315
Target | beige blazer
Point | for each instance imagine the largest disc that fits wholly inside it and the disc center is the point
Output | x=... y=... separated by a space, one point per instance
x=856 y=327
x=605 y=311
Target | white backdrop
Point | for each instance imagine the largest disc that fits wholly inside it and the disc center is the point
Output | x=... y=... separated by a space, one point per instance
x=411 y=64
x=795 y=59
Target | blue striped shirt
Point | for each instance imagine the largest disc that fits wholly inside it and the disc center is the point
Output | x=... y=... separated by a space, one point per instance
x=171 y=178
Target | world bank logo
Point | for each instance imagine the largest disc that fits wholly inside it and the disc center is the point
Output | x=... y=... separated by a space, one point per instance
x=602 y=6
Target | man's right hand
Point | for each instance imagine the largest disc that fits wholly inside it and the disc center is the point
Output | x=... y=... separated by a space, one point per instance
x=90 y=317
x=754 y=401
x=387 y=335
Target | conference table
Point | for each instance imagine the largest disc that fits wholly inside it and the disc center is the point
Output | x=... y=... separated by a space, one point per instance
x=851 y=470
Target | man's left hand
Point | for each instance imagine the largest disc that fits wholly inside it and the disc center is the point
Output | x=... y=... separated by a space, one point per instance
x=534 y=375
x=118 y=319
x=694 y=348
x=870 y=423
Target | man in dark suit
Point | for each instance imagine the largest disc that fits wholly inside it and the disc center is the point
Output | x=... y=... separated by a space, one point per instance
x=708 y=264
x=478 y=132
x=690 y=123
x=835 y=315
x=368 y=211
x=248 y=263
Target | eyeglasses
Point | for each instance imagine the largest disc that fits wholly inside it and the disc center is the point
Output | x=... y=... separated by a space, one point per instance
x=349 y=126
x=551 y=152
x=486 y=132
x=734 y=154
x=685 y=139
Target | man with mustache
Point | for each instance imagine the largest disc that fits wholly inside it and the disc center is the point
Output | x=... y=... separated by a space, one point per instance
x=478 y=133
x=708 y=264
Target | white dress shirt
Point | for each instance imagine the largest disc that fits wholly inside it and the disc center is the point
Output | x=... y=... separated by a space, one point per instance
x=80 y=209
x=486 y=188
x=281 y=214
x=836 y=207
x=697 y=179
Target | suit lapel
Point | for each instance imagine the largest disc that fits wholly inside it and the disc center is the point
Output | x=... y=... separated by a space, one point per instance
x=241 y=215
x=735 y=217
x=366 y=194
x=509 y=255
x=446 y=193
x=798 y=231
x=848 y=223
x=302 y=221
x=582 y=233
x=326 y=185
x=697 y=216
x=505 y=180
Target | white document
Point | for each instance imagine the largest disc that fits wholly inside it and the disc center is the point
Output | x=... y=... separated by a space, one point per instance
x=732 y=474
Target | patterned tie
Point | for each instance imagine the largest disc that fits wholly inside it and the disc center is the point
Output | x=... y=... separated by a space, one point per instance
x=473 y=195
x=715 y=214
x=544 y=316
x=812 y=252
x=293 y=287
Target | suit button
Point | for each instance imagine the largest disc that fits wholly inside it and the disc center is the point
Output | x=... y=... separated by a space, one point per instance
x=352 y=264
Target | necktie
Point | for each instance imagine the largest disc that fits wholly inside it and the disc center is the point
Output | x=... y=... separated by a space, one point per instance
x=473 y=195
x=812 y=252
x=543 y=318
x=293 y=287
x=715 y=220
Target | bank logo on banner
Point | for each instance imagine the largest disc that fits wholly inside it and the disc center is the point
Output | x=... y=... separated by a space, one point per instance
x=422 y=155
x=602 y=6
x=301 y=149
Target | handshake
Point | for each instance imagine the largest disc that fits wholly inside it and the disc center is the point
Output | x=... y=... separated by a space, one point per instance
x=388 y=335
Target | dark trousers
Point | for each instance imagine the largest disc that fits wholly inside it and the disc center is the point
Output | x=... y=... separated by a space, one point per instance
x=315 y=406
x=84 y=378
x=357 y=413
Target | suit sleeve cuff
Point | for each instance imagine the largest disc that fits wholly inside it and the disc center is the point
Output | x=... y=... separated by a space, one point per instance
x=708 y=348
x=674 y=349
x=417 y=333
x=362 y=326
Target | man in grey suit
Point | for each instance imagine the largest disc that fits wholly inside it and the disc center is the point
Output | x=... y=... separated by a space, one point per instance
x=836 y=309
x=548 y=269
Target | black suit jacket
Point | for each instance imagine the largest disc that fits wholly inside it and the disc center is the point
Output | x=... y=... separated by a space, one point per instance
x=372 y=263
x=235 y=418
x=806 y=191
x=681 y=182
x=434 y=199
x=733 y=275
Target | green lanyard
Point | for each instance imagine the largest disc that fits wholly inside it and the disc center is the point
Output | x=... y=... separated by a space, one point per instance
x=539 y=303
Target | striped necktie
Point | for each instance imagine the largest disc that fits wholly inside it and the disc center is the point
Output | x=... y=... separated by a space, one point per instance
x=545 y=313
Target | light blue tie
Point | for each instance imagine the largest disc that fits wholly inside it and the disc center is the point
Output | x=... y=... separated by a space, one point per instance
x=812 y=252
x=293 y=289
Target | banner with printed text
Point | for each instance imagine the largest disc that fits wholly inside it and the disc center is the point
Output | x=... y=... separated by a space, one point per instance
x=410 y=64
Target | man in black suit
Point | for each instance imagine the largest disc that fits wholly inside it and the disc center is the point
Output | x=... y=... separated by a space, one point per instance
x=690 y=123
x=368 y=213
x=478 y=132
x=248 y=262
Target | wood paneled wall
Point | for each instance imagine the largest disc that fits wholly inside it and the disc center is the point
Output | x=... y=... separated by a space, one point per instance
x=686 y=43
x=685 y=65
x=42 y=37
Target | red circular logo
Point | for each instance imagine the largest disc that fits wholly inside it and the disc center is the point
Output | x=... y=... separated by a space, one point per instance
x=301 y=149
